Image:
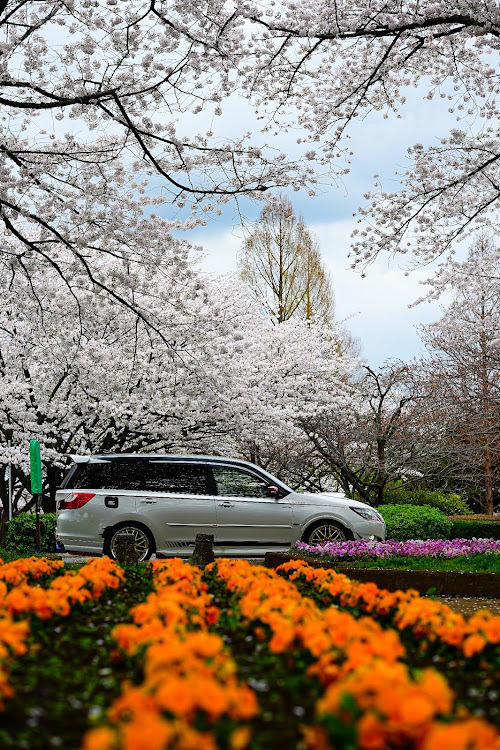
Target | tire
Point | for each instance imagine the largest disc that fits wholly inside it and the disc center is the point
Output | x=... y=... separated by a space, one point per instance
x=326 y=531
x=144 y=542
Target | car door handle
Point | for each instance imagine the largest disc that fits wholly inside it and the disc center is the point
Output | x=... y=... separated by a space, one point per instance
x=226 y=504
x=149 y=501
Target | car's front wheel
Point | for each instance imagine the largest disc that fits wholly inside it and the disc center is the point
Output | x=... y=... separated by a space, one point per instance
x=142 y=540
x=326 y=531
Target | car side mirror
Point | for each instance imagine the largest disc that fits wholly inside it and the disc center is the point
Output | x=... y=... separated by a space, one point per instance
x=273 y=491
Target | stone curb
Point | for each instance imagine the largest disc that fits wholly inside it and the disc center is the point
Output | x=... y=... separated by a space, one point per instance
x=441 y=583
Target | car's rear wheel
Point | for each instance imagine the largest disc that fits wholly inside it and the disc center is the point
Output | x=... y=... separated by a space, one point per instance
x=142 y=540
x=326 y=531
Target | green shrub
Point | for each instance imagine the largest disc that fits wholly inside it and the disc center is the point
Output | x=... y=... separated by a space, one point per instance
x=21 y=533
x=465 y=529
x=415 y=522
x=449 y=504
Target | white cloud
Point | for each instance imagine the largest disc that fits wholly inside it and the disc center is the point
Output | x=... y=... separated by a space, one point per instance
x=379 y=302
x=220 y=248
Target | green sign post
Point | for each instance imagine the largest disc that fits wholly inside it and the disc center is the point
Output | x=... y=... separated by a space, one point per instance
x=35 y=467
x=36 y=485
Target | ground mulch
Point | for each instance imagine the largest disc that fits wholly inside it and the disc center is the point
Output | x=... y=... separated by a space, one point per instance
x=469 y=605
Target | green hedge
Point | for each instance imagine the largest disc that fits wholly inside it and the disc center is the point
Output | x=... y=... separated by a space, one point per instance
x=449 y=504
x=21 y=533
x=423 y=522
x=415 y=522
x=462 y=529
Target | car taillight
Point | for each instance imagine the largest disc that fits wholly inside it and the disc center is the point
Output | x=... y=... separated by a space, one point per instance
x=75 y=500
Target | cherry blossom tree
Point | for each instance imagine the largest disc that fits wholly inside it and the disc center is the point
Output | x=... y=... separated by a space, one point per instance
x=320 y=66
x=461 y=375
x=96 y=98
x=100 y=97
x=375 y=439
x=84 y=373
x=294 y=369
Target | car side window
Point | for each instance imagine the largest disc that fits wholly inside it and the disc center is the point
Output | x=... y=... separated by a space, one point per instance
x=141 y=476
x=238 y=483
x=181 y=479
x=109 y=475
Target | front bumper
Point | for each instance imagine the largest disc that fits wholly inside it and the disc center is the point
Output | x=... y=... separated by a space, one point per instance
x=370 y=530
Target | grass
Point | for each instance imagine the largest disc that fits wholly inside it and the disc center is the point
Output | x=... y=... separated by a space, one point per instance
x=9 y=555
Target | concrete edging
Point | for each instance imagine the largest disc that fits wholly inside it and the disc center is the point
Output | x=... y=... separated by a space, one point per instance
x=445 y=583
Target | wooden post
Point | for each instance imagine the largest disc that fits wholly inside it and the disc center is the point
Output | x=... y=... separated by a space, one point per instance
x=125 y=551
x=37 y=515
x=203 y=550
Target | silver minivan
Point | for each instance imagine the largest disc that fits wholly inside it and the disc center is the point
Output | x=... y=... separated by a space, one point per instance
x=164 y=501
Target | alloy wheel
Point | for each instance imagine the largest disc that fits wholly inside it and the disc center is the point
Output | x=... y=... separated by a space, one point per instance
x=327 y=533
x=141 y=541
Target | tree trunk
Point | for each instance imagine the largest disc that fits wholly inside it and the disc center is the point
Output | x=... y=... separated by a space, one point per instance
x=488 y=483
x=3 y=527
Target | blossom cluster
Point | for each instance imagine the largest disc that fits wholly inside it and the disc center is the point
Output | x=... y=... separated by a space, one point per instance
x=427 y=618
x=413 y=548
x=188 y=673
x=19 y=600
x=19 y=571
x=354 y=657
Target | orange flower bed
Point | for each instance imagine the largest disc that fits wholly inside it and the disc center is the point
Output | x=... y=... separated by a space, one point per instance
x=18 y=571
x=428 y=619
x=22 y=600
x=187 y=672
x=355 y=658
x=175 y=660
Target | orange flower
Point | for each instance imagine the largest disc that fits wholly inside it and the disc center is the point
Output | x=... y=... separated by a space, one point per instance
x=147 y=731
x=13 y=637
x=240 y=738
x=100 y=738
x=437 y=689
x=315 y=738
x=5 y=689
x=429 y=620
x=473 y=644
x=176 y=696
x=416 y=708
x=357 y=657
x=371 y=734
x=24 y=599
x=18 y=571
x=132 y=701
x=471 y=734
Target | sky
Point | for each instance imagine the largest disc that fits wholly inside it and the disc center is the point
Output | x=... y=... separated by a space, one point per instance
x=375 y=308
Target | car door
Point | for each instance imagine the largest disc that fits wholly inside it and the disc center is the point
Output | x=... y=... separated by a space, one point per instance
x=176 y=504
x=247 y=515
x=113 y=486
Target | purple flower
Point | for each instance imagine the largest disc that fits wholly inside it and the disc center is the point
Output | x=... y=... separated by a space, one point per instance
x=363 y=549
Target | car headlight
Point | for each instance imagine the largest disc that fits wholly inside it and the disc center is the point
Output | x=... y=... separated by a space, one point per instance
x=368 y=513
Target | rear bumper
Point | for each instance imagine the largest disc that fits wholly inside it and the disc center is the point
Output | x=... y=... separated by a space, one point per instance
x=70 y=544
